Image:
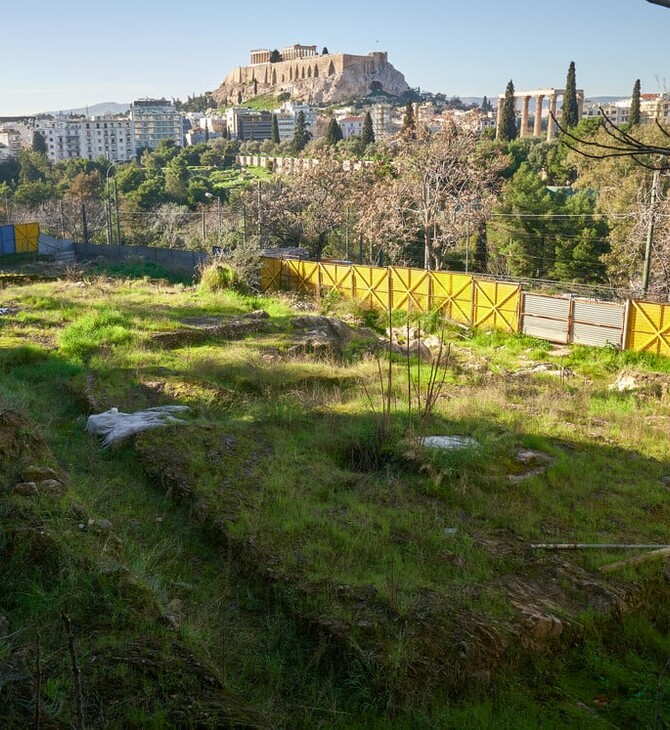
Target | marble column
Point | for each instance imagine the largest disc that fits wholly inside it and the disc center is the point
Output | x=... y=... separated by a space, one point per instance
x=501 y=104
x=537 y=128
x=551 y=125
x=525 y=100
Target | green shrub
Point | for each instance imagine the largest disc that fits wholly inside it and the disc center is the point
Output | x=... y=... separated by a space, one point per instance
x=217 y=277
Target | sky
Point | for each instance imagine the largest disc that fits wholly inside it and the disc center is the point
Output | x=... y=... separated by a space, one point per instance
x=74 y=53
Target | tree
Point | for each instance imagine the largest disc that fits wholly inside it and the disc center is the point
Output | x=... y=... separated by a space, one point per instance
x=486 y=105
x=409 y=123
x=334 y=132
x=570 y=106
x=324 y=52
x=301 y=135
x=39 y=143
x=368 y=132
x=508 y=130
x=635 y=104
x=255 y=87
x=275 y=130
x=275 y=56
x=439 y=186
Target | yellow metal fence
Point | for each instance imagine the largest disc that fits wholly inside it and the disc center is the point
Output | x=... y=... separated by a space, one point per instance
x=460 y=297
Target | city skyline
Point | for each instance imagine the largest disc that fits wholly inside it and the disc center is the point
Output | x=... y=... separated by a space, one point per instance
x=87 y=55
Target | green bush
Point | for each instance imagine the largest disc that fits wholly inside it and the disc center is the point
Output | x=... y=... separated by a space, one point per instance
x=217 y=277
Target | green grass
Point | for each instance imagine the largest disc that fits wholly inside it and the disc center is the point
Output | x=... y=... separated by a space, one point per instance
x=327 y=568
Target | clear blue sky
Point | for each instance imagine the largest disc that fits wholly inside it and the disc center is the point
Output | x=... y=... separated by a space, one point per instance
x=59 y=55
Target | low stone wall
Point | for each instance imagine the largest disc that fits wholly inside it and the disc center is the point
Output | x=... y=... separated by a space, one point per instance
x=289 y=165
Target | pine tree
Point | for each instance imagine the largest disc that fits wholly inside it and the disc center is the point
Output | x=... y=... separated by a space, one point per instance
x=409 y=123
x=368 y=132
x=275 y=56
x=570 y=107
x=255 y=87
x=508 y=130
x=301 y=135
x=275 y=130
x=635 y=104
x=39 y=143
x=324 y=52
x=334 y=133
x=486 y=105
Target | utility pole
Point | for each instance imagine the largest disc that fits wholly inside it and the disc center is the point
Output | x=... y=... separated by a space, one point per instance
x=646 y=271
x=84 y=223
x=118 y=220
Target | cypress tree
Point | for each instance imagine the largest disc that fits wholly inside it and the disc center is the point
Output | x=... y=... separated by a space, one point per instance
x=570 y=107
x=409 y=123
x=368 y=132
x=301 y=135
x=334 y=133
x=275 y=130
x=508 y=130
x=635 y=104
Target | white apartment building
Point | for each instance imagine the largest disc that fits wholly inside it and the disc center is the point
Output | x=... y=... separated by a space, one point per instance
x=10 y=143
x=653 y=107
x=89 y=138
x=155 y=121
x=287 y=114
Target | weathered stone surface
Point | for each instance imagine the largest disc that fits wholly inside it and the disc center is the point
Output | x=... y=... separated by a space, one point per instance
x=51 y=486
x=39 y=474
x=25 y=489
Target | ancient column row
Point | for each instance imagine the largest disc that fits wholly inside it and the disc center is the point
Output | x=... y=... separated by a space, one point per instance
x=525 y=130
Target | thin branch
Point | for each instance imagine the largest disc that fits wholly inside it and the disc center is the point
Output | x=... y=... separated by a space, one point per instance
x=76 y=672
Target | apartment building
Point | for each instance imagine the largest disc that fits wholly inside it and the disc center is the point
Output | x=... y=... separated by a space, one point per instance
x=69 y=137
x=155 y=121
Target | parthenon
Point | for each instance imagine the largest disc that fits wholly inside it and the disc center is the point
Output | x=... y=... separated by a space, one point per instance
x=539 y=95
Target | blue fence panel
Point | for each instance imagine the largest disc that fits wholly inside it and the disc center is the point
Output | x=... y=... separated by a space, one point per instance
x=7 y=239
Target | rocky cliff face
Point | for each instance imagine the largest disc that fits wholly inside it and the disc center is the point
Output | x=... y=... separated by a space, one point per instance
x=353 y=81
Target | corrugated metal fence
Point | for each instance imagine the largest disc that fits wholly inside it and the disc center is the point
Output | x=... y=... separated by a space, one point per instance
x=633 y=325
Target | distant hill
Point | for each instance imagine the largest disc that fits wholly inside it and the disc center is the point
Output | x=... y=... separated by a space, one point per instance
x=96 y=110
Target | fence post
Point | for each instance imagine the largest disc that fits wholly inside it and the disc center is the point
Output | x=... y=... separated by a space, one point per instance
x=626 y=324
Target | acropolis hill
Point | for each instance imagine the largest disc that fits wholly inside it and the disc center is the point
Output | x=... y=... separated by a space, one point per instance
x=307 y=76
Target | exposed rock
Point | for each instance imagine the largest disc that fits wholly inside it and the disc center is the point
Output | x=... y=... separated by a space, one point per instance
x=656 y=385
x=39 y=474
x=540 y=627
x=4 y=625
x=52 y=486
x=99 y=525
x=25 y=489
x=449 y=442
x=320 y=335
x=115 y=426
x=546 y=368
x=201 y=329
x=537 y=460
x=328 y=79
x=665 y=481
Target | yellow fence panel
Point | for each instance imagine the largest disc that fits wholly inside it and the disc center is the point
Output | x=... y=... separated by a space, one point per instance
x=271 y=274
x=410 y=289
x=339 y=278
x=310 y=275
x=372 y=286
x=452 y=295
x=648 y=328
x=27 y=236
x=496 y=305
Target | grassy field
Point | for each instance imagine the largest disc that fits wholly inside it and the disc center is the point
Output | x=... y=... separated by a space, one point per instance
x=298 y=543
